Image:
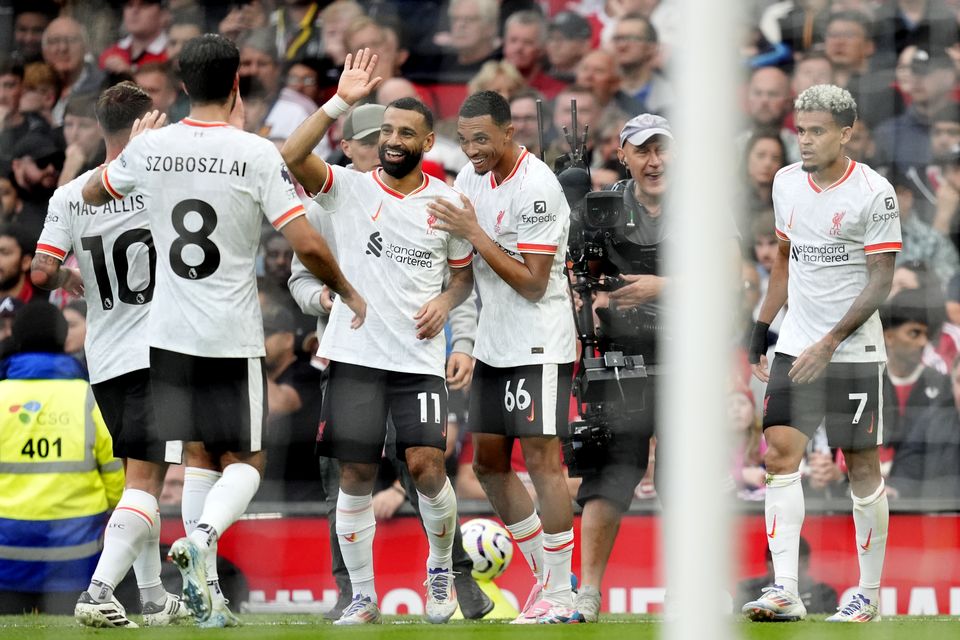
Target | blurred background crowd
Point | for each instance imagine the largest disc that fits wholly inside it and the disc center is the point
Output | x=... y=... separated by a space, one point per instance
x=899 y=58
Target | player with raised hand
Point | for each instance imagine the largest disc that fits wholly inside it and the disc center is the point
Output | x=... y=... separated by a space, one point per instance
x=838 y=226
x=116 y=260
x=394 y=364
x=518 y=222
x=208 y=185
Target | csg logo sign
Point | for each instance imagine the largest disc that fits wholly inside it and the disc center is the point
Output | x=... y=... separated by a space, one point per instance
x=25 y=411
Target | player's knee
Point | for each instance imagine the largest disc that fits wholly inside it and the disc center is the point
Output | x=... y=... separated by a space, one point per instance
x=780 y=461
x=428 y=471
x=488 y=468
x=542 y=460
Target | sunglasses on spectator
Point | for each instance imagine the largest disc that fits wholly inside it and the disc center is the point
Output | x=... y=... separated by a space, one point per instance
x=55 y=159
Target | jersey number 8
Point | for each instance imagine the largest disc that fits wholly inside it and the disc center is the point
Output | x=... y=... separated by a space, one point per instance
x=199 y=238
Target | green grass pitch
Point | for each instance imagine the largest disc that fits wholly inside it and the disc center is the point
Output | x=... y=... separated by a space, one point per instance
x=626 y=627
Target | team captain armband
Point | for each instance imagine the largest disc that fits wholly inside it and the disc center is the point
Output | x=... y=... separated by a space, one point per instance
x=51 y=250
x=545 y=249
x=882 y=247
x=286 y=217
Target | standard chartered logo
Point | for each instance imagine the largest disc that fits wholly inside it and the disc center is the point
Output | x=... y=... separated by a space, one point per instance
x=409 y=255
x=412 y=256
x=819 y=254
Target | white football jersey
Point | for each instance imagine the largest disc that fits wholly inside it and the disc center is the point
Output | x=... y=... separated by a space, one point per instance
x=389 y=250
x=526 y=213
x=115 y=254
x=208 y=184
x=831 y=231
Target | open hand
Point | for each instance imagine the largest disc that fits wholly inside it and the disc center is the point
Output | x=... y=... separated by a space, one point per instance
x=359 y=307
x=460 y=221
x=355 y=83
x=150 y=120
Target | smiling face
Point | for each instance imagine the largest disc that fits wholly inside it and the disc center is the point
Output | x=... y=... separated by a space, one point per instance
x=821 y=139
x=404 y=138
x=484 y=141
x=648 y=164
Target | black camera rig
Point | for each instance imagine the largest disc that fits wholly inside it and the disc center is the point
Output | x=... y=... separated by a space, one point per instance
x=609 y=382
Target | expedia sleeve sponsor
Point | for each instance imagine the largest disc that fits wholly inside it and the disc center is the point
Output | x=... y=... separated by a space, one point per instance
x=819 y=254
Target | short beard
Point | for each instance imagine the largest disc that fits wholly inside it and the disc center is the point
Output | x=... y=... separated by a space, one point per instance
x=400 y=169
x=6 y=284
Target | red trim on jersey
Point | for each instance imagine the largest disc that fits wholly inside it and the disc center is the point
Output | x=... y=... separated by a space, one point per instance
x=531 y=536
x=328 y=181
x=782 y=235
x=396 y=194
x=288 y=216
x=513 y=172
x=190 y=122
x=536 y=248
x=883 y=247
x=51 y=250
x=105 y=181
x=843 y=178
x=461 y=263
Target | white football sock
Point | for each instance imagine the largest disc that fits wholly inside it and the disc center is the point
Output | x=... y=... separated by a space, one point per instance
x=356 y=526
x=197 y=483
x=785 y=511
x=528 y=534
x=557 y=557
x=871 y=517
x=227 y=500
x=439 y=515
x=127 y=530
x=147 y=566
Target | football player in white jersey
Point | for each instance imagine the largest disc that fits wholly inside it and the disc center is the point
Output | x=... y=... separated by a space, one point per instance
x=208 y=185
x=116 y=258
x=394 y=364
x=518 y=223
x=361 y=140
x=838 y=225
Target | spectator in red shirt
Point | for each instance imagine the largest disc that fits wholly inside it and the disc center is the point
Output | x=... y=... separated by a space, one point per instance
x=524 y=46
x=145 y=22
x=16 y=254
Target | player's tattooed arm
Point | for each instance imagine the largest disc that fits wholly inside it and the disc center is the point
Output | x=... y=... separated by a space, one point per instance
x=94 y=193
x=811 y=363
x=432 y=316
x=47 y=272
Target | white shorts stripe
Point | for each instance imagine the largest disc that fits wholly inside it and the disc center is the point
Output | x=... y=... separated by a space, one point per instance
x=880 y=366
x=548 y=395
x=255 y=395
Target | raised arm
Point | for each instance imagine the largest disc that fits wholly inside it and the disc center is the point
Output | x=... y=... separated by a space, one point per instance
x=355 y=84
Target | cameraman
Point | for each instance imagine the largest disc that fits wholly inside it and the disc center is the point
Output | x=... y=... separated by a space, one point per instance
x=632 y=254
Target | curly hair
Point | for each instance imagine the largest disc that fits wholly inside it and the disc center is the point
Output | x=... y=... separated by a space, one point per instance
x=829 y=98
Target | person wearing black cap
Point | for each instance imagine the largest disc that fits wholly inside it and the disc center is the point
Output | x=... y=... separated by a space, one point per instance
x=569 y=38
x=904 y=141
x=37 y=161
x=59 y=478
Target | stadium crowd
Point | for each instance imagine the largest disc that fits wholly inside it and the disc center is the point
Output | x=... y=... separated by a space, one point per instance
x=900 y=59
